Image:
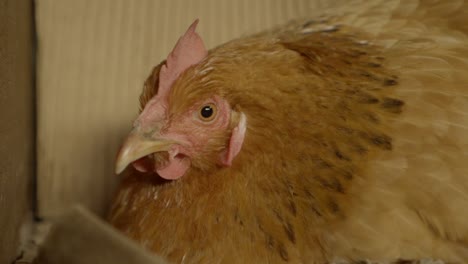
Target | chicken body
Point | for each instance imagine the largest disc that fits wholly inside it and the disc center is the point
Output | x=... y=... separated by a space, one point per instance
x=356 y=144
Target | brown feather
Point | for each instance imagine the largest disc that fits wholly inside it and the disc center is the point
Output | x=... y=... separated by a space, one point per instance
x=355 y=147
x=150 y=88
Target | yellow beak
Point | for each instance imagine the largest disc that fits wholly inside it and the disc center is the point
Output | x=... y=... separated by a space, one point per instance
x=137 y=146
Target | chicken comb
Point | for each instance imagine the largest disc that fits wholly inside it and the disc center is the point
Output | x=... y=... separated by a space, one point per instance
x=189 y=50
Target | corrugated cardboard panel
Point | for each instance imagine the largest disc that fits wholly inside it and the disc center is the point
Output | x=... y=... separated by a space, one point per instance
x=93 y=59
x=16 y=123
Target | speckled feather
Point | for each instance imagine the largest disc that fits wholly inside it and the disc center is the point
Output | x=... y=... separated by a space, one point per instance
x=356 y=144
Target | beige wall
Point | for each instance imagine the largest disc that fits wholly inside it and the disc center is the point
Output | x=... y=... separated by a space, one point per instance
x=16 y=122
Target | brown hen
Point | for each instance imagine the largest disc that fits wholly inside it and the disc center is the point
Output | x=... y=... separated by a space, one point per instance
x=342 y=137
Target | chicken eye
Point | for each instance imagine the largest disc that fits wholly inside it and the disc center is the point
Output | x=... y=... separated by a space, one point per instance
x=207 y=112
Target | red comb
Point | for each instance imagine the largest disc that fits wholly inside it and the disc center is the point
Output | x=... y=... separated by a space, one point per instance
x=188 y=51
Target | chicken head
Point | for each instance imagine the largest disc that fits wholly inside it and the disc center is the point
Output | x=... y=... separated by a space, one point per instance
x=168 y=141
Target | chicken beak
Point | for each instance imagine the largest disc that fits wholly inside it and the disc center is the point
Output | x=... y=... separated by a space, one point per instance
x=137 y=146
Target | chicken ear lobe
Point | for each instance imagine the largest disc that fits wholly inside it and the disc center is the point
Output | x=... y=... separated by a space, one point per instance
x=235 y=142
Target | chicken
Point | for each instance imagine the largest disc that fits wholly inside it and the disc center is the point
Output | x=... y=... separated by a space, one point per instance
x=339 y=138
